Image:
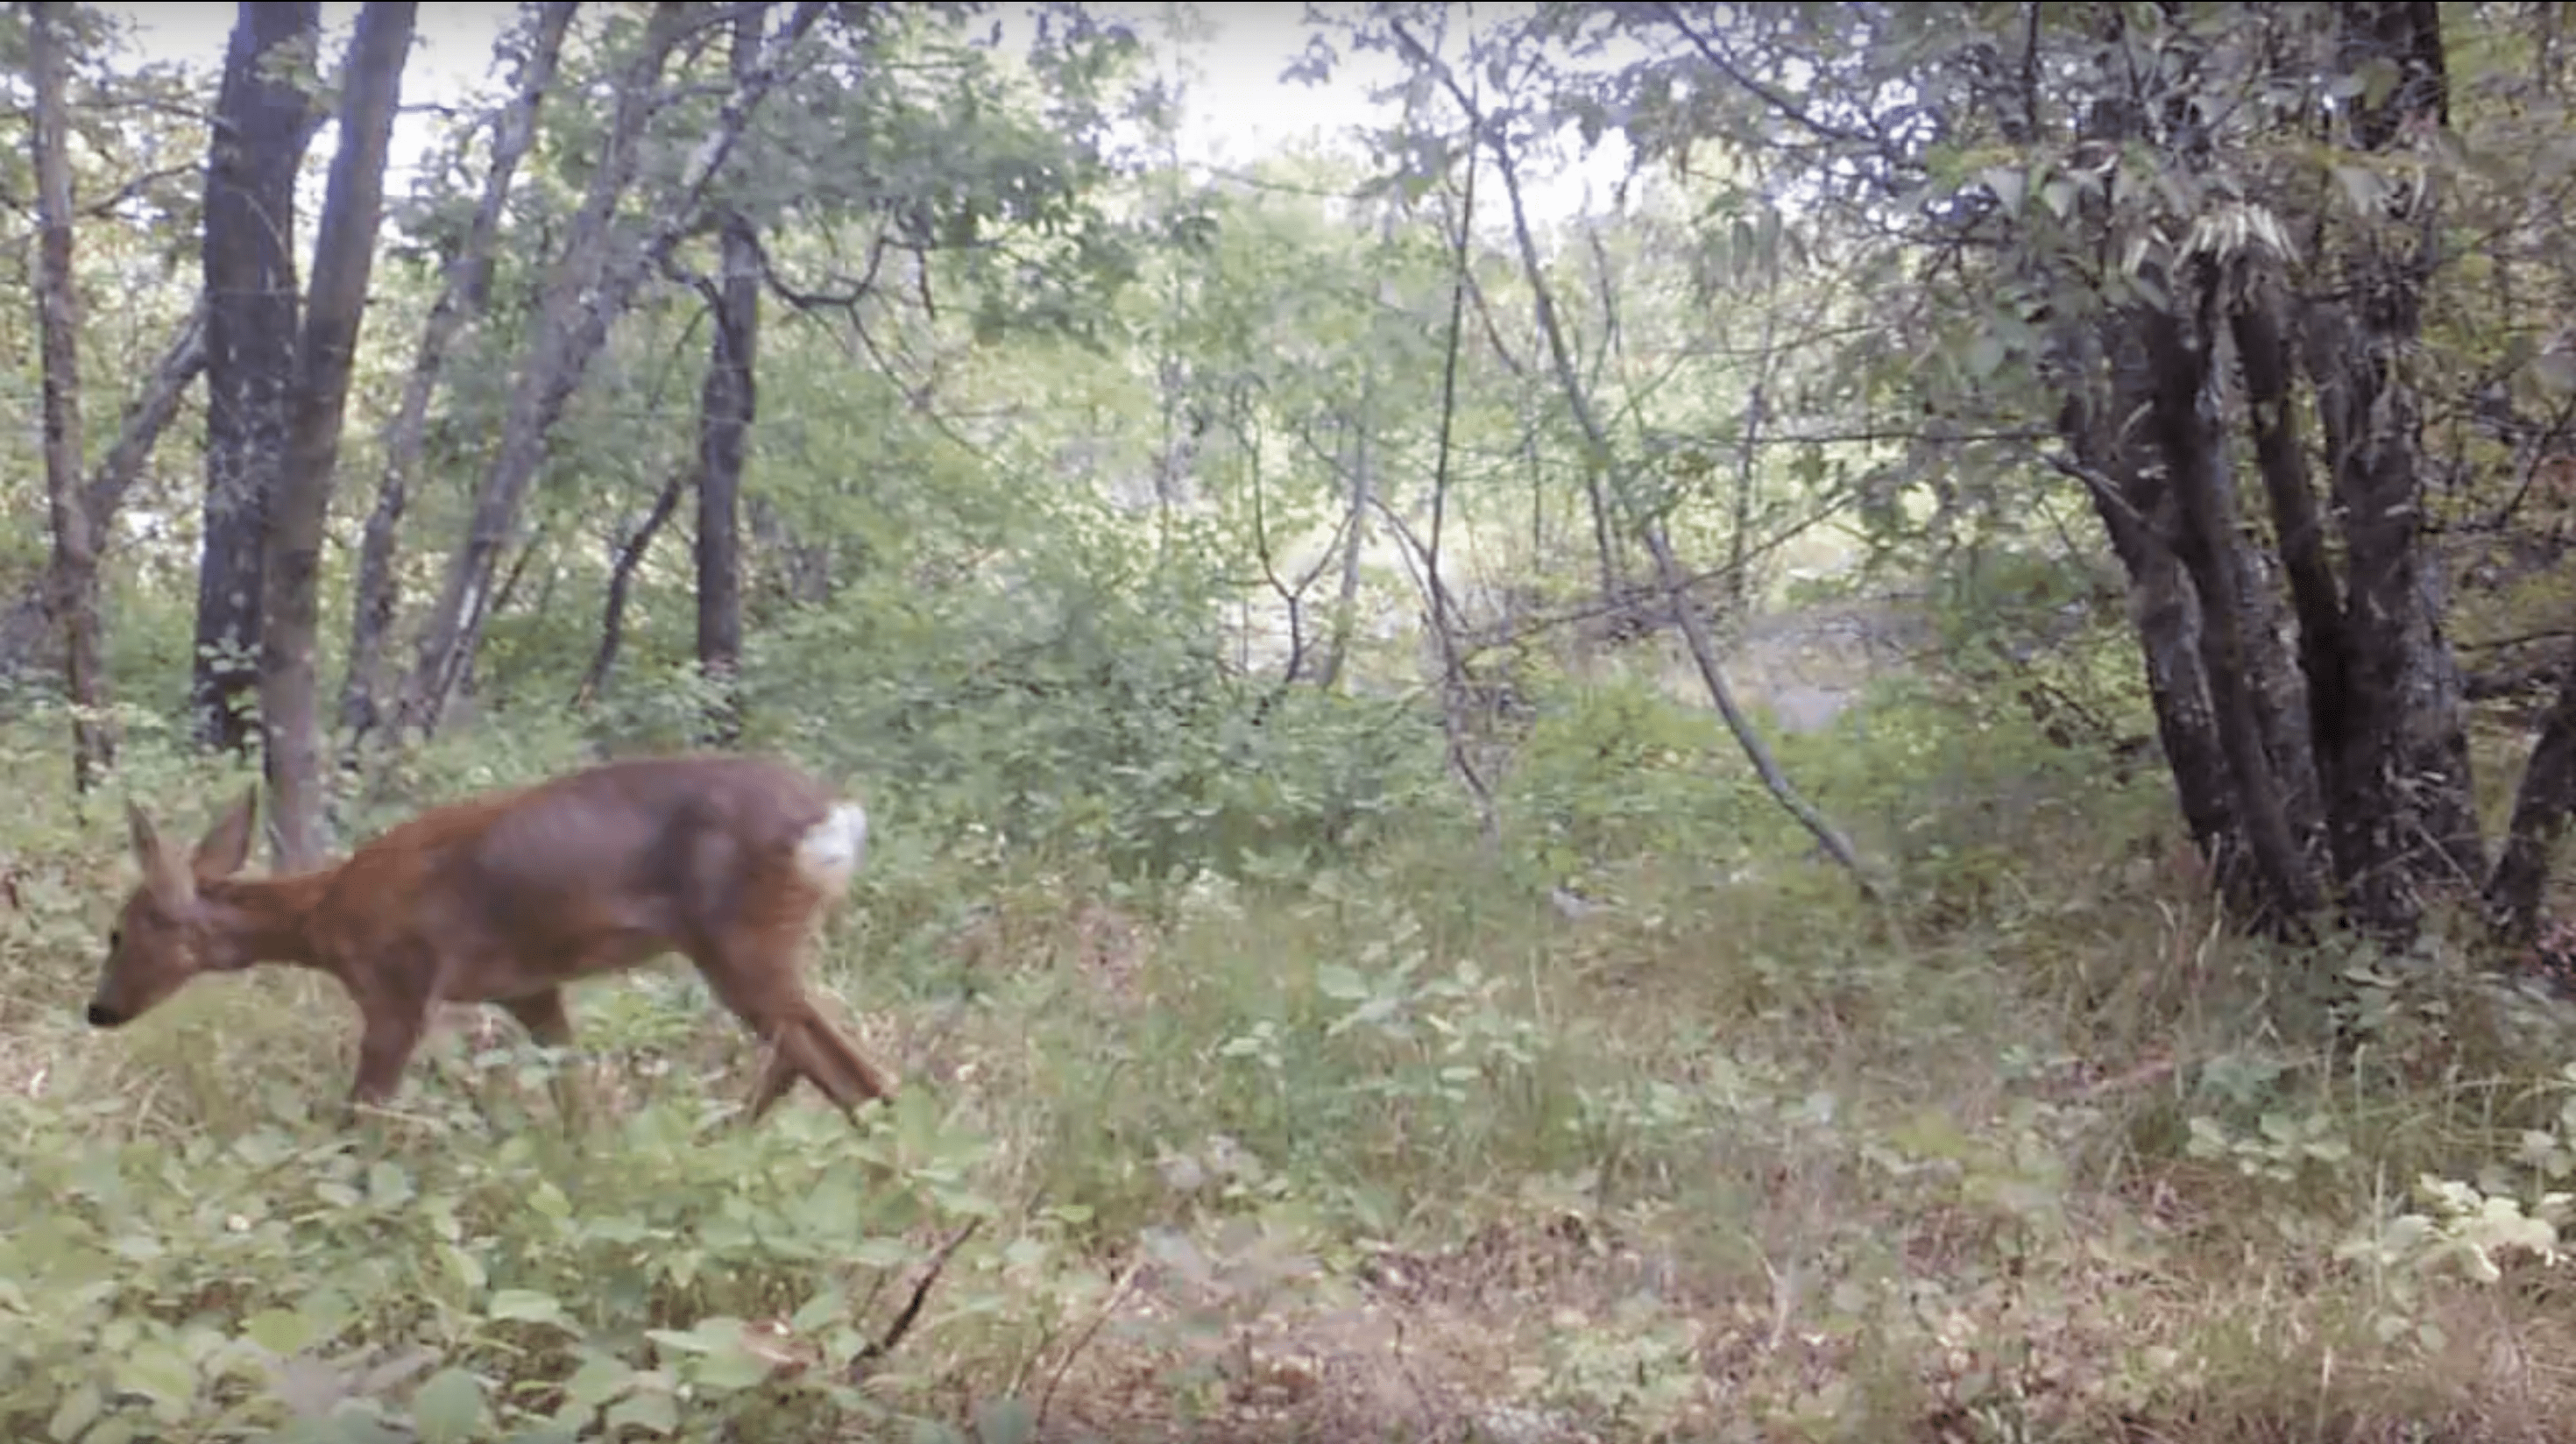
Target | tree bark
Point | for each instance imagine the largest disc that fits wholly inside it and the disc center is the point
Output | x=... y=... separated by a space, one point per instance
x=725 y=410
x=621 y=582
x=2281 y=460
x=2236 y=659
x=263 y=121
x=461 y=300
x=75 y=561
x=2405 y=824
x=1346 y=592
x=726 y=405
x=2540 y=808
x=343 y=256
x=591 y=287
x=2108 y=387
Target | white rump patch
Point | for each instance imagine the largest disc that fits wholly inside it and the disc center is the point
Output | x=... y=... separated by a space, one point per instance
x=831 y=850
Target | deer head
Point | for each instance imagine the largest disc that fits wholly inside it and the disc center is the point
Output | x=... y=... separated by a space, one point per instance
x=162 y=937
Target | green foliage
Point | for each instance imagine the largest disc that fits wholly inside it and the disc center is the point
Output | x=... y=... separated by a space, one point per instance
x=473 y=1268
x=1621 y=769
x=1076 y=716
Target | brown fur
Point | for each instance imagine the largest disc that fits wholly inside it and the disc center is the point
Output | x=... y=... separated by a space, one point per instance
x=505 y=898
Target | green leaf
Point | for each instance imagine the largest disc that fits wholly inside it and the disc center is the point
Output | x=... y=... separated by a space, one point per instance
x=651 y=1410
x=279 y=1331
x=80 y=1407
x=1985 y=355
x=2008 y=184
x=525 y=1306
x=465 y=1267
x=158 y=1371
x=1340 y=981
x=731 y=1368
x=828 y=1304
x=388 y=1185
x=449 y=1407
x=597 y=1381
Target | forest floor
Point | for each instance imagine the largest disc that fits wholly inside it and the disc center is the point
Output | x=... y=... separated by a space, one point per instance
x=1403 y=1157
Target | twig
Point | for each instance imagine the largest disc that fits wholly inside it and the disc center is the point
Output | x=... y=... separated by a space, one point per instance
x=1081 y=1341
x=903 y=1322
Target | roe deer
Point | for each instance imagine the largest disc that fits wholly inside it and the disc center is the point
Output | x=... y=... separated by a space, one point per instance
x=505 y=898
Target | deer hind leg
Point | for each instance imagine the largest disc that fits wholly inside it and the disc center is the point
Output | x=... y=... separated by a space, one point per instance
x=802 y=1044
x=549 y=1024
x=756 y=979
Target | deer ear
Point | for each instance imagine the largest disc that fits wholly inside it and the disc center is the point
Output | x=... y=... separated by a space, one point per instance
x=163 y=878
x=226 y=845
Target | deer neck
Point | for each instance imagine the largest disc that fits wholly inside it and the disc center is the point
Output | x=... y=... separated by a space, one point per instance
x=267 y=919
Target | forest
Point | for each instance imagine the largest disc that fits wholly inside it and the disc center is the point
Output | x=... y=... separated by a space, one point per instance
x=1611 y=722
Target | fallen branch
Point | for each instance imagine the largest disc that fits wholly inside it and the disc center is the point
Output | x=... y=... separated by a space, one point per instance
x=903 y=1322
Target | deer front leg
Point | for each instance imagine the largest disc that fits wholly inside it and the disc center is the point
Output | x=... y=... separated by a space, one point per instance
x=550 y=1025
x=392 y=1031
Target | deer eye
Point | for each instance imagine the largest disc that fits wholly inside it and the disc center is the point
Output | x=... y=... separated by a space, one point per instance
x=115 y=939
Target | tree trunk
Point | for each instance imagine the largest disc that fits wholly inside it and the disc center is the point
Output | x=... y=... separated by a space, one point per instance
x=2404 y=824
x=589 y=290
x=726 y=405
x=263 y=122
x=75 y=561
x=2238 y=660
x=343 y=256
x=725 y=410
x=1739 y=540
x=2108 y=387
x=621 y=581
x=1703 y=650
x=555 y=360
x=2281 y=458
x=461 y=300
x=2540 y=807
x=1346 y=593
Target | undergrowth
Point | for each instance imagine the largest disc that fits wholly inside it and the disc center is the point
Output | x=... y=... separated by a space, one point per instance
x=1394 y=1146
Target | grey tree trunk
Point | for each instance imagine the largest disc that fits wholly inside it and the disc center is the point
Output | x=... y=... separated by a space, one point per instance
x=2540 y=809
x=74 y=587
x=343 y=257
x=726 y=405
x=263 y=122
